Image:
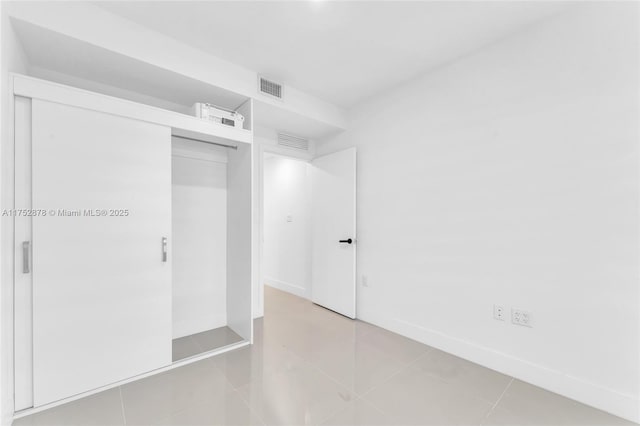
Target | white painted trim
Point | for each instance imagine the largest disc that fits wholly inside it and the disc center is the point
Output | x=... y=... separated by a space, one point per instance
x=619 y=404
x=256 y=251
x=7 y=152
x=258 y=169
x=255 y=244
x=176 y=364
x=181 y=124
x=292 y=288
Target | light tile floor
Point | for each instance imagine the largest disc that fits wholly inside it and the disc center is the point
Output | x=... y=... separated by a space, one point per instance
x=311 y=366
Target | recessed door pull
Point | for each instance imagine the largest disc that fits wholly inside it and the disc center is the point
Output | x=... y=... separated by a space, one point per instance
x=164 y=249
x=25 y=256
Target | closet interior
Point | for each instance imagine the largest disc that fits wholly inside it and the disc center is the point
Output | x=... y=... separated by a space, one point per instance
x=199 y=216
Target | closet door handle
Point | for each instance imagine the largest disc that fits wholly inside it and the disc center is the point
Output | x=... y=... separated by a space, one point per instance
x=164 y=249
x=26 y=249
x=348 y=241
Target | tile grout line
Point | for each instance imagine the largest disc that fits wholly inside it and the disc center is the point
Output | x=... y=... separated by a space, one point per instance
x=251 y=410
x=500 y=398
x=354 y=401
x=362 y=397
x=358 y=395
x=502 y=394
x=124 y=416
x=236 y=390
x=310 y=364
x=406 y=365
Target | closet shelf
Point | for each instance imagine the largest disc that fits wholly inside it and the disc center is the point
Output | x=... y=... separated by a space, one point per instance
x=193 y=127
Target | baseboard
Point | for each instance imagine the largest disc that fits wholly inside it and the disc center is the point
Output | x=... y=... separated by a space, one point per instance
x=295 y=289
x=619 y=404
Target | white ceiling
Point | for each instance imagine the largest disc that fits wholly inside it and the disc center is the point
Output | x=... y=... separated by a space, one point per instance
x=342 y=52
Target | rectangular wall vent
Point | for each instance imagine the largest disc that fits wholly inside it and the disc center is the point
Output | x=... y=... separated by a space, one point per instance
x=270 y=88
x=294 y=142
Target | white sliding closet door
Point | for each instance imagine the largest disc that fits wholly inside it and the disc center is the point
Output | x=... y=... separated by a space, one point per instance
x=101 y=288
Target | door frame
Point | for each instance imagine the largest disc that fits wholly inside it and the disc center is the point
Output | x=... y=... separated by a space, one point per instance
x=7 y=236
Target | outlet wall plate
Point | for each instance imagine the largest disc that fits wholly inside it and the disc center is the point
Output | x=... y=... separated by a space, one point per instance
x=520 y=317
x=498 y=312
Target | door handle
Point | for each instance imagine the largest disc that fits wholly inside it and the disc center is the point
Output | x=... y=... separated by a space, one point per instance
x=164 y=249
x=25 y=256
x=347 y=241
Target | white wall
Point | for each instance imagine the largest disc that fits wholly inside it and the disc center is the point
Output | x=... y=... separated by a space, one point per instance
x=511 y=177
x=287 y=231
x=199 y=233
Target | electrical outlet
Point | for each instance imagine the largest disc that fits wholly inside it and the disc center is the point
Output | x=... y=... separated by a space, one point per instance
x=365 y=282
x=498 y=312
x=520 y=317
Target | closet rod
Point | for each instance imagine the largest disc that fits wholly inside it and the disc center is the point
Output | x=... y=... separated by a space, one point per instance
x=201 y=140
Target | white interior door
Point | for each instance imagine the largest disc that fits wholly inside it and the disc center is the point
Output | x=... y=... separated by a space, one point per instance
x=101 y=284
x=333 y=254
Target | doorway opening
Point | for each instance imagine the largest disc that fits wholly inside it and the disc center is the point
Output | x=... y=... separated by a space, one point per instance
x=286 y=245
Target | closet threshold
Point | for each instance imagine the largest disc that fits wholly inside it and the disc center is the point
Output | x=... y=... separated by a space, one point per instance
x=203 y=342
x=209 y=354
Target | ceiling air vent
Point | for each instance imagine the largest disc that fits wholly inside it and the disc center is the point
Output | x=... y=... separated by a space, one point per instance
x=270 y=88
x=294 y=142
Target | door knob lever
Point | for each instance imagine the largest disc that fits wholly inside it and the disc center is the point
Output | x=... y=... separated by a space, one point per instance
x=347 y=241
